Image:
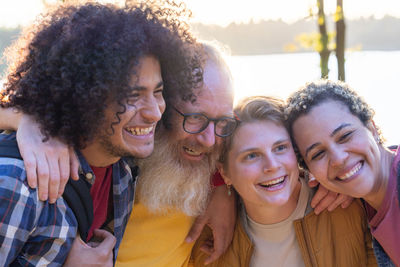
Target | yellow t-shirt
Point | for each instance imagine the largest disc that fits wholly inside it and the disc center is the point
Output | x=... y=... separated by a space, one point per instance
x=155 y=240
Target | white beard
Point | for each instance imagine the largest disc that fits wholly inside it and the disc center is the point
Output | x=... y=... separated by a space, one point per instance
x=166 y=181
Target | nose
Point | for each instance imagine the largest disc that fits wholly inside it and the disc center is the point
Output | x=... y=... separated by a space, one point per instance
x=271 y=164
x=338 y=156
x=207 y=136
x=153 y=109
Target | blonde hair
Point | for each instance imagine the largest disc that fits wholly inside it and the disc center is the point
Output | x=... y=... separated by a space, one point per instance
x=254 y=108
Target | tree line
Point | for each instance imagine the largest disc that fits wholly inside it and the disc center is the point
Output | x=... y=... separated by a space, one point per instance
x=267 y=37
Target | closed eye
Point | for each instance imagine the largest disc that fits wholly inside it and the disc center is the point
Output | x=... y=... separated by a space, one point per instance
x=346 y=136
x=158 y=91
x=132 y=98
x=318 y=155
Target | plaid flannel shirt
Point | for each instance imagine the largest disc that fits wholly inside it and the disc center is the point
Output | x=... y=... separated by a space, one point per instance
x=36 y=233
x=123 y=195
x=32 y=232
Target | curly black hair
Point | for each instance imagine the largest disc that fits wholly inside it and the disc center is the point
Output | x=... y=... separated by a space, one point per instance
x=313 y=94
x=77 y=58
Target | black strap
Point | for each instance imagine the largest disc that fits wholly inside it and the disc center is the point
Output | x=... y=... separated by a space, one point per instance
x=76 y=193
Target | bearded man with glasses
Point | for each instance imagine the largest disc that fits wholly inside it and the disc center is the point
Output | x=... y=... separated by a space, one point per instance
x=174 y=184
x=195 y=123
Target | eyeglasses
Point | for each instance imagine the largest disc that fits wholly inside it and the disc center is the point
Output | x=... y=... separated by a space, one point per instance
x=194 y=123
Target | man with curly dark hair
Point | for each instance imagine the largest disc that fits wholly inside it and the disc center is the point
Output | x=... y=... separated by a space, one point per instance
x=92 y=76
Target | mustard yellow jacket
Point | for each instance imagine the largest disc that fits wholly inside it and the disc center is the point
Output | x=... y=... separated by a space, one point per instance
x=340 y=238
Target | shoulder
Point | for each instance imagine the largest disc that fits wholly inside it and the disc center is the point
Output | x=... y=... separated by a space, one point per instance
x=352 y=219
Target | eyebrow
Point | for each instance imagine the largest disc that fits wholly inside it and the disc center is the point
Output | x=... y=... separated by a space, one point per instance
x=250 y=149
x=256 y=148
x=142 y=88
x=281 y=141
x=312 y=147
x=341 y=126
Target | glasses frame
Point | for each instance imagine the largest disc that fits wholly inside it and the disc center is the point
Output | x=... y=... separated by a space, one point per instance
x=186 y=115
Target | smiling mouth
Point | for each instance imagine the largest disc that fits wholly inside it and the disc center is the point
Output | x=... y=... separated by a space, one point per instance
x=351 y=172
x=139 y=130
x=273 y=183
x=192 y=152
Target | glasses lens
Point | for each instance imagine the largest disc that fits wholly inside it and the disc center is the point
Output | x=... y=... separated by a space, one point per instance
x=195 y=123
x=225 y=126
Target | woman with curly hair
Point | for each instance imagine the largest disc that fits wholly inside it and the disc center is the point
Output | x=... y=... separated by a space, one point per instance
x=338 y=142
x=93 y=76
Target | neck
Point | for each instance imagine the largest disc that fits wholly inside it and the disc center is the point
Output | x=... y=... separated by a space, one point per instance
x=268 y=214
x=376 y=196
x=97 y=157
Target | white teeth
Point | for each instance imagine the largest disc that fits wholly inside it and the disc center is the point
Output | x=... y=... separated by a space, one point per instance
x=351 y=172
x=191 y=152
x=273 y=182
x=140 y=131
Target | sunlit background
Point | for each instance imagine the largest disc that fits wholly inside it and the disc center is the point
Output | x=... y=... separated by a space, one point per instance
x=372 y=70
x=223 y=12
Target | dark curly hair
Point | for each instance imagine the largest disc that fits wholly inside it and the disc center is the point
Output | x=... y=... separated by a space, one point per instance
x=314 y=93
x=77 y=58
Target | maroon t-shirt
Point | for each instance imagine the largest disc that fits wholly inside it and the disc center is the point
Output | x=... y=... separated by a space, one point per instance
x=101 y=194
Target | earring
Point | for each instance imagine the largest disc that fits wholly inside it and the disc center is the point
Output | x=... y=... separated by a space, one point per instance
x=228 y=186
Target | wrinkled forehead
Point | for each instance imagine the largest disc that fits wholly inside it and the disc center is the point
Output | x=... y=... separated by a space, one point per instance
x=215 y=97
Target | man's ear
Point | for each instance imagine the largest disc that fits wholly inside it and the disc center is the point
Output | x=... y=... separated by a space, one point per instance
x=223 y=173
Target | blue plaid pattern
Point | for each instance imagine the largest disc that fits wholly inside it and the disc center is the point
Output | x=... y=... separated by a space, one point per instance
x=36 y=233
x=32 y=232
x=123 y=195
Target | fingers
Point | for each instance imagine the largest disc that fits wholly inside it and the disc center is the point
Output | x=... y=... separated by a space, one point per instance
x=43 y=176
x=104 y=250
x=63 y=162
x=30 y=168
x=54 y=178
x=318 y=196
x=324 y=203
x=74 y=164
x=325 y=199
x=347 y=202
x=50 y=172
x=108 y=239
x=218 y=250
x=207 y=247
x=78 y=242
x=47 y=163
x=339 y=200
x=196 y=229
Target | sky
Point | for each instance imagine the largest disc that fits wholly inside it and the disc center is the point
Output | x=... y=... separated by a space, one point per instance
x=223 y=12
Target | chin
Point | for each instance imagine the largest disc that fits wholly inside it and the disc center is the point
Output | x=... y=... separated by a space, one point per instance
x=142 y=153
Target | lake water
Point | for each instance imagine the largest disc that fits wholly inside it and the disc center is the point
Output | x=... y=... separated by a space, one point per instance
x=375 y=75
